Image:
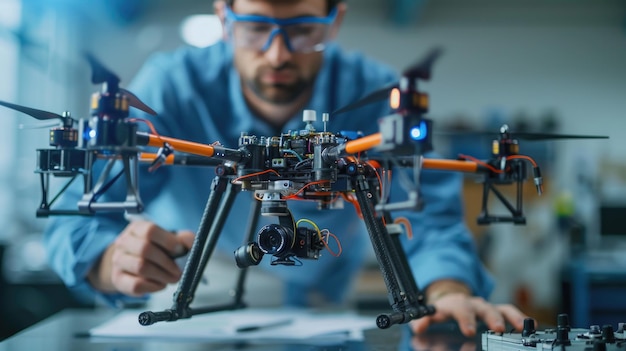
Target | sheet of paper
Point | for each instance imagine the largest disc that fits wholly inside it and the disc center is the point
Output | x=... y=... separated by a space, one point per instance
x=275 y=325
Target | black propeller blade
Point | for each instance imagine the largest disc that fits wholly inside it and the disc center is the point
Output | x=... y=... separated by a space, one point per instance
x=522 y=135
x=377 y=95
x=134 y=101
x=423 y=68
x=100 y=74
x=420 y=70
x=38 y=114
x=549 y=136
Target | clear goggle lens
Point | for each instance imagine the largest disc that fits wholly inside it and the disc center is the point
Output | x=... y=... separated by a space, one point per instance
x=300 y=34
x=308 y=37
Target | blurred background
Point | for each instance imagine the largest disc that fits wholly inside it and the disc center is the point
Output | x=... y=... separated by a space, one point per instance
x=554 y=66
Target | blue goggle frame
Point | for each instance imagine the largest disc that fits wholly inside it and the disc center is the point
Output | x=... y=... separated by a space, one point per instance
x=279 y=23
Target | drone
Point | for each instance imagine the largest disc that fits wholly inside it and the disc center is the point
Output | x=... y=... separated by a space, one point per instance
x=307 y=164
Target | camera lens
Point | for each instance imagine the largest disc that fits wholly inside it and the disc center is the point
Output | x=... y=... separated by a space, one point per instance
x=274 y=239
x=248 y=255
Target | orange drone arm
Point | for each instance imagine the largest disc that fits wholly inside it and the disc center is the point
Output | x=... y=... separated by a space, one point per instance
x=178 y=144
x=353 y=146
x=450 y=165
x=363 y=144
x=373 y=140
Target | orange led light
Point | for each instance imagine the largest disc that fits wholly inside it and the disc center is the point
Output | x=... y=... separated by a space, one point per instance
x=394 y=98
x=423 y=101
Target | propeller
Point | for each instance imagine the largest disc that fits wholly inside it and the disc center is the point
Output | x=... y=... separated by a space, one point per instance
x=41 y=115
x=134 y=101
x=377 y=95
x=35 y=113
x=422 y=69
x=100 y=75
x=66 y=119
x=504 y=130
x=550 y=136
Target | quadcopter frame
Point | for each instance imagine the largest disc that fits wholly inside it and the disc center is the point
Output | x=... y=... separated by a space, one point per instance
x=275 y=174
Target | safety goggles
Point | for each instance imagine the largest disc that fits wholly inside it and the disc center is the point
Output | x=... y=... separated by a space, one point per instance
x=300 y=34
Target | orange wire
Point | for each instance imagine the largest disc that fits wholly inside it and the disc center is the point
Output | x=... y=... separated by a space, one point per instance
x=407 y=226
x=148 y=122
x=304 y=187
x=490 y=167
x=150 y=126
x=254 y=175
x=339 y=248
x=350 y=198
x=380 y=181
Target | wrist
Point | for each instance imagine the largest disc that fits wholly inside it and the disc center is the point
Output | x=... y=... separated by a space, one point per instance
x=99 y=276
x=441 y=288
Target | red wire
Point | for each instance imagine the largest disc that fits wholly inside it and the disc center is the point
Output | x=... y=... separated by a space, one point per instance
x=255 y=174
x=482 y=163
x=339 y=248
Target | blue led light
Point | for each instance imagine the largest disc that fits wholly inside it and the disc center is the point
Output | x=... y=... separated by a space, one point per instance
x=419 y=132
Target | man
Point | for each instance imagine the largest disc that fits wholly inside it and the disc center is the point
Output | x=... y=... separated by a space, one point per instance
x=276 y=60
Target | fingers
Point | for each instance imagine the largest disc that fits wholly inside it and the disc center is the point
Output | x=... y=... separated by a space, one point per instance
x=135 y=285
x=489 y=313
x=151 y=232
x=466 y=310
x=144 y=267
x=496 y=316
x=419 y=326
x=459 y=307
x=451 y=306
x=136 y=255
x=186 y=238
x=514 y=316
x=463 y=311
x=142 y=260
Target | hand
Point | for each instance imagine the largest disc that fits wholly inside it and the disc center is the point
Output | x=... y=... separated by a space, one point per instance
x=458 y=304
x=140 y=260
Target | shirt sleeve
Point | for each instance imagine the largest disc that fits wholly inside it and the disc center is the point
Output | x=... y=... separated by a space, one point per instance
x=75 y=243
x=442 y=246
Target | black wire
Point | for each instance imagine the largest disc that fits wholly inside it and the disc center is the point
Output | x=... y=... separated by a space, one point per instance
x=297 y=261
x=105 y=187
x=67 y=185
x=302 y=163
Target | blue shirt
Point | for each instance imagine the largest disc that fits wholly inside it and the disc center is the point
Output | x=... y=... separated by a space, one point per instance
x=197 y=95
